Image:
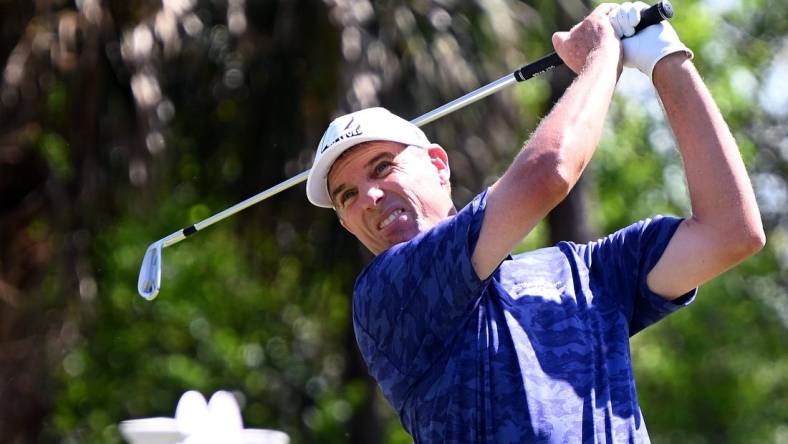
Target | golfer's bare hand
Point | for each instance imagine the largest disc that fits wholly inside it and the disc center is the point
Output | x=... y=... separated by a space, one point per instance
x=593 y=35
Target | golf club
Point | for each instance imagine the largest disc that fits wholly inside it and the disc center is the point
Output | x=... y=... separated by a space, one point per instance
x=149 y=281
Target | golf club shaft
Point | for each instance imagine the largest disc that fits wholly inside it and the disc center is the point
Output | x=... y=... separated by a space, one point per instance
x=650 y=16
x=653 y=15
x=179 y=235
x=433 y=115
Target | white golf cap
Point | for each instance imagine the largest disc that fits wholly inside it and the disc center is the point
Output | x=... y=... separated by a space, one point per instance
x=349 y=130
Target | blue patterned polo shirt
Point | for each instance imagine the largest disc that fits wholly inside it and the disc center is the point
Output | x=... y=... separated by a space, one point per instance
x=538 y=352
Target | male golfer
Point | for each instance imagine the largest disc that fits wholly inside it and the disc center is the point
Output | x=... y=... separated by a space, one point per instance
x=470 y=344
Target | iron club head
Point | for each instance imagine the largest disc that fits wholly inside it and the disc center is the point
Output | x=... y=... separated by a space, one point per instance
x=149 y=281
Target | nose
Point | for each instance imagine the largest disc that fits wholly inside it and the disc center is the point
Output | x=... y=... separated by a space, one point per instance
x=371 y=195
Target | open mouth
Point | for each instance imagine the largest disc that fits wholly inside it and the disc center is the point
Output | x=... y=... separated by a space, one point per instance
x=392 y=217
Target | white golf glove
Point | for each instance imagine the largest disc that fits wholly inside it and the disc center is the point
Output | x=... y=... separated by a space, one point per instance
x=649 y=46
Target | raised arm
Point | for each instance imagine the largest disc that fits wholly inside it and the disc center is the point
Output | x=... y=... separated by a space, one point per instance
x=725 y=226
x=551 y=162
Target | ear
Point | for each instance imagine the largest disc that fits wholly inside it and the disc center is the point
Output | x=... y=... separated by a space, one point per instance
x=440 y=160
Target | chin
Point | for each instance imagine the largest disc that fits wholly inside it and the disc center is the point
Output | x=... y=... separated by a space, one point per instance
x=399 y=237
x=404 y=237
x=395 y=241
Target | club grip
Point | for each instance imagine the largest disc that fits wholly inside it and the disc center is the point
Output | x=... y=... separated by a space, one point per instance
x=650 y=16
x=654 y=14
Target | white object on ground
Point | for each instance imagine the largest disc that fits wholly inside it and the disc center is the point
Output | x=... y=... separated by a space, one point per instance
x=198 y=422
x=191 y=414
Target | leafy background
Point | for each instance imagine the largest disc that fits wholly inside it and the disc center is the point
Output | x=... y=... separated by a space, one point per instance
x=121 y=122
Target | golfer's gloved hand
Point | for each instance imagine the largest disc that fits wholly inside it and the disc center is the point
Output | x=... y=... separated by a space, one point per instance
x=649 y=46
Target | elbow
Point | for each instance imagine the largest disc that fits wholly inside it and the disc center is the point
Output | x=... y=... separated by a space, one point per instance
x=548 y=170
x=565 y=165
x=747 y=241
x=565 y=173
x=753 y=237
x=554 y=178
x=754 y=241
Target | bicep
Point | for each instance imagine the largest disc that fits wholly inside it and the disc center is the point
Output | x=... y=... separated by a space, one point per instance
x=694 y=255
x=515 y=205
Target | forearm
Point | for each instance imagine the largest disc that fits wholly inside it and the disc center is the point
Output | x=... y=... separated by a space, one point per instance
x=720 y=191
x=552 y=161
x=725 y=226
x=550 y=164
x=570 y=134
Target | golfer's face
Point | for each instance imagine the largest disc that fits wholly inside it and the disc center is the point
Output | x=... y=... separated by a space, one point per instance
x=386 y=193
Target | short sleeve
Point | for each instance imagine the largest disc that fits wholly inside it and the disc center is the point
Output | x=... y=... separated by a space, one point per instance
x=620 y=265
x=412 y=299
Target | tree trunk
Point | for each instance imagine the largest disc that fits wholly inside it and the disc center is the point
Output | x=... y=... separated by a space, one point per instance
x=23 y=261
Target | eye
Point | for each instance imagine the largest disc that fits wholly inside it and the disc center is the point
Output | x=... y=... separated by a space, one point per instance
x=382 y=167
x=346 y=196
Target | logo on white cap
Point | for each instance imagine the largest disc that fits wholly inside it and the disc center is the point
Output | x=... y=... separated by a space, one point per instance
x=349 y=133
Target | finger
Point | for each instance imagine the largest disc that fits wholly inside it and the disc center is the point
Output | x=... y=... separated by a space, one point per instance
x=558 y=40
x=621 y=22
x=604 y=8
x=633 y=17
x=627 y=27
x=614 y=22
